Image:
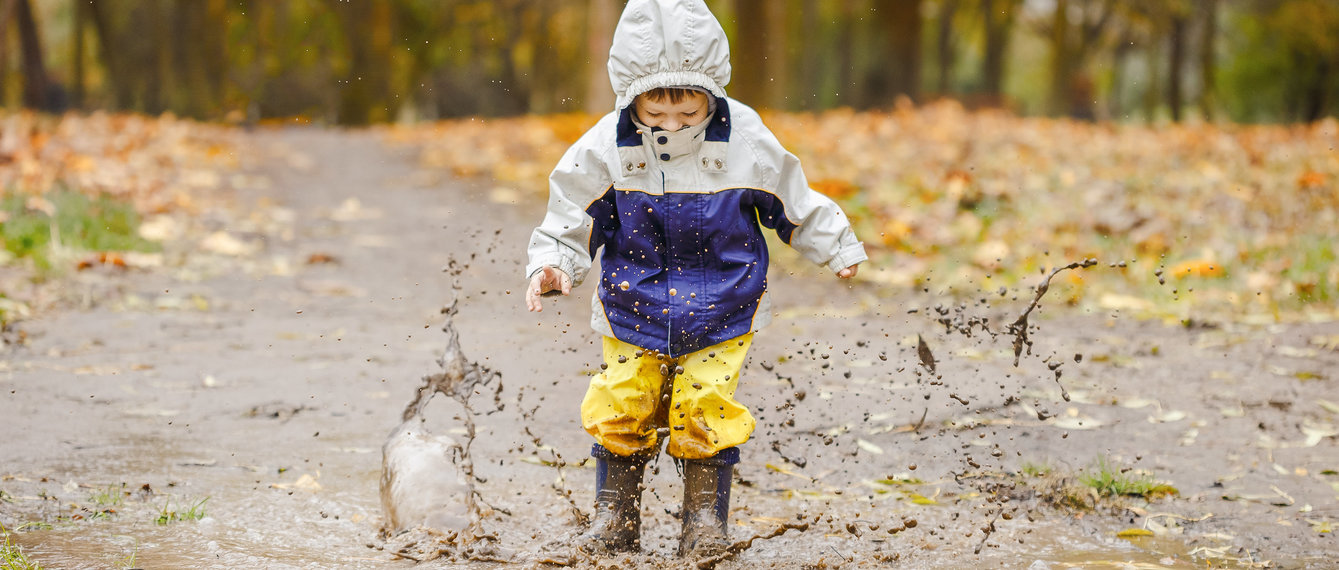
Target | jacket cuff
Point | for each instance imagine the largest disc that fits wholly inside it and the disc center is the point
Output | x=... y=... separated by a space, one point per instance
x=563 y=263
x=848 y=256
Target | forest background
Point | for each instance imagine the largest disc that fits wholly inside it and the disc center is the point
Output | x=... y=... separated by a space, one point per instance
x=359 y=62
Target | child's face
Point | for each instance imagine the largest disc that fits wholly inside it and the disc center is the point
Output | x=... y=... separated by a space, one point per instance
x=672 y=116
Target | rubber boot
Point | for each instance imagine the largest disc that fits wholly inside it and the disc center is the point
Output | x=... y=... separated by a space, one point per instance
x=706 y=504
x=617 y=524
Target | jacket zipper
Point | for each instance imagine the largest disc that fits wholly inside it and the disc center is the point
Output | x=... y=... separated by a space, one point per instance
x=669 y=321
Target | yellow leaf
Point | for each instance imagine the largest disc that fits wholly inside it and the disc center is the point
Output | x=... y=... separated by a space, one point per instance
x=1134 y=533
x=919 y=499
x=1197 y=268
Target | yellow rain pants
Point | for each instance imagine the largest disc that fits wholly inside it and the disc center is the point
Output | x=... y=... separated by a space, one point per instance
x=626 y=402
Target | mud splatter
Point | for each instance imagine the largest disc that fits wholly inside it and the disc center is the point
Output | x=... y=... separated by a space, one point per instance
x=742 y=545
x=927 y=358
x=1019 y=328
x=420 y=472
x=556 y=460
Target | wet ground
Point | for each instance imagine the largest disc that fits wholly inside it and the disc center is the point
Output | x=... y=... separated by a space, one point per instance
x=227 y=410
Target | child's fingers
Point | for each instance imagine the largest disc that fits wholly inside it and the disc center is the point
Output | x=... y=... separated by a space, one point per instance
x=533 y=293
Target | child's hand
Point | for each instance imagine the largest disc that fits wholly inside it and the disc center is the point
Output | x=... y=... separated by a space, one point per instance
x=547 y=279
x=849 y=272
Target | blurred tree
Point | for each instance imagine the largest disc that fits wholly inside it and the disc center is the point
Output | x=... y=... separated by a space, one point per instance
x=777 y=59
x=1176 y=58
x=811 y=37
x=198 y=56
x=603 y=16
x=999 y=17
x=749 y=51
x=1178 y=16
x=1309 y=30
x=844 y=57
x=366 y=92
x=1075 y=29
x=1208 y=14
x=362 y=61
x=77 y=65
x=39 y=91
x=898 y=43
x=7 y=9
x=944 y=45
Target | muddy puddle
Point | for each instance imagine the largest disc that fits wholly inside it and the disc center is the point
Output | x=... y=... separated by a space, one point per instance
x=895 y=429
x=878 y=449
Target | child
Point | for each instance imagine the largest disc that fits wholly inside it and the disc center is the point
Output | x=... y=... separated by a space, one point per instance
x=674 y=185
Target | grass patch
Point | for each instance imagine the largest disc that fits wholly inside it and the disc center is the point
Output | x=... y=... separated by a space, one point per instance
x=12 y=556
x=110 y=496
x=1100 y=487
x=194 y=512
x=128 y=561
x=34 y=227
x=1030 y=469
x=1113 y=481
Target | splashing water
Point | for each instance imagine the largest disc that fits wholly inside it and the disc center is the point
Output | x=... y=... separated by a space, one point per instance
x=427 y=480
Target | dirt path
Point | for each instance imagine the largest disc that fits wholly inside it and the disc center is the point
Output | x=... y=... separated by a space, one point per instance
x=264 y=383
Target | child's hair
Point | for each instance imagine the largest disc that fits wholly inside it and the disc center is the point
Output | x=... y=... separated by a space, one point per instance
x=675 y=95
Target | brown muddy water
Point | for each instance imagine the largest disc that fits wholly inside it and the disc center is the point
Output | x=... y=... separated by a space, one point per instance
x=262 y=391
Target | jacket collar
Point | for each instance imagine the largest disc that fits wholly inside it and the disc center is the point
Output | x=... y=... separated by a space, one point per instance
x=710 y=139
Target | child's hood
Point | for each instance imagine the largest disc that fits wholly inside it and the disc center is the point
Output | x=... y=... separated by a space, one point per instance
x=667 y=43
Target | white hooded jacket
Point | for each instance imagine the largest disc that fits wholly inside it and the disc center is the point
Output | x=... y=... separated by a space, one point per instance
x=680 y=215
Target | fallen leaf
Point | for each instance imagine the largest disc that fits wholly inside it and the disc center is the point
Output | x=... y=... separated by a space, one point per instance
x=304 y=483
x=321 y=258
x=1166 y=417
x=868 y=446
x=1197 y=268
x=1134 y=533
x=1315 y=432
x=223 y=243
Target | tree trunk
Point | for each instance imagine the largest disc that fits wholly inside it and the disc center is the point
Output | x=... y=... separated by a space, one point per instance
x=1073 y=37
x=601 y=19
x=777 y=89
x=80 y=18
x=38 y=90
x=812 y=56
x=516 y=92
x=122 y=88
x=944 y=45
x=1176 y=65
x=7 y=9
x=845 y=56
x=1151 y=95
x=999 y=20
x=1315 y=92
x=1119 y=62
x=367 y=29
x=192 y=39
x=1208 y=63
x=901 y=22
x=1062 y=55
x=749 y=52
x=157 y=74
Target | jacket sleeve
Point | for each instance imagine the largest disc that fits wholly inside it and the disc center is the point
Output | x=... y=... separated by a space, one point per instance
x=822 y=234
x=563 y=239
